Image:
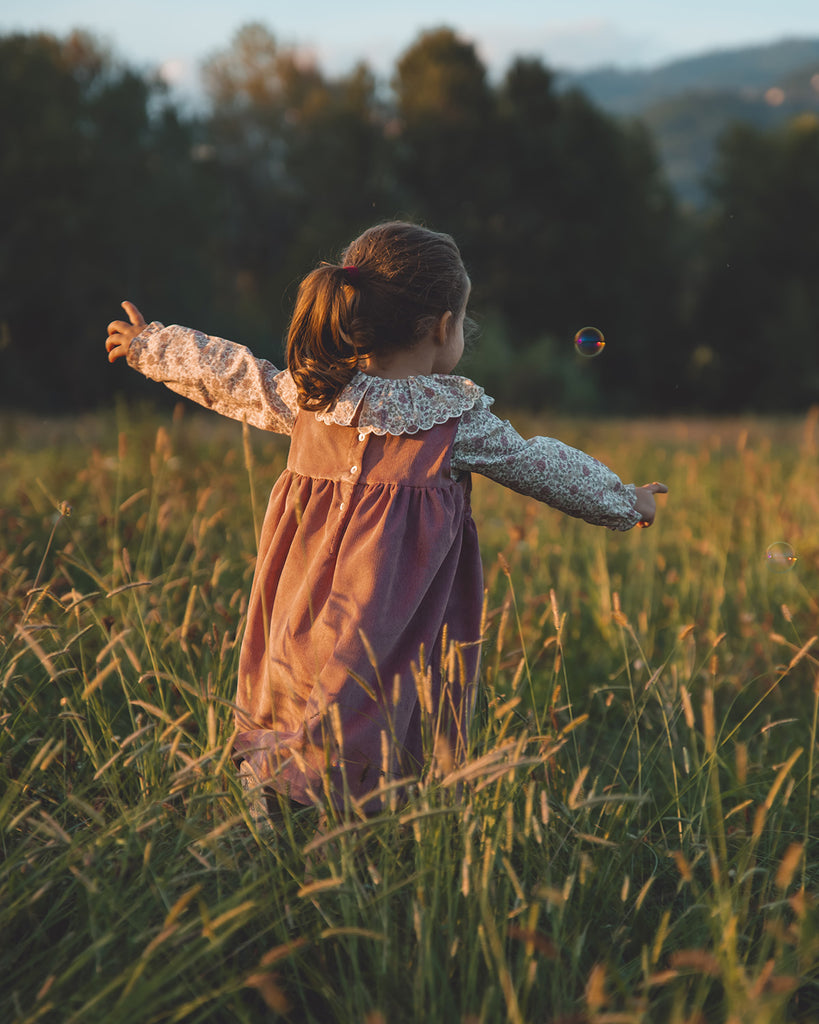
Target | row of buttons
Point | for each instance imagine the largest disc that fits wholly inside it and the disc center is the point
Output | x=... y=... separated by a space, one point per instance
x=353 y=470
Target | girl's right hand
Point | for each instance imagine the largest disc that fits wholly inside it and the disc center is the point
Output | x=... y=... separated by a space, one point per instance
x=120 y=334
x=645 y=505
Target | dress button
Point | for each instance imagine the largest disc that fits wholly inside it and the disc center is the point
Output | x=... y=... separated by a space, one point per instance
x=353 y=469
x=361 y=437
x=341 y=506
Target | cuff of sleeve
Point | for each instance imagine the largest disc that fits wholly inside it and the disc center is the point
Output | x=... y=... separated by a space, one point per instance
x=138 y=344
x=634 y=518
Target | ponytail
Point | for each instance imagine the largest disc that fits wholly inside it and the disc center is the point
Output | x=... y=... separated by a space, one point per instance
x=395 y=282
x=322 y=354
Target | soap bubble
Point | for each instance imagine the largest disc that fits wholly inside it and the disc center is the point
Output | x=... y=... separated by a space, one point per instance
x=589 y=341
x=780 y=557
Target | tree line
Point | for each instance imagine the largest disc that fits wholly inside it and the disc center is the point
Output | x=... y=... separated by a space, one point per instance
x=113 y=190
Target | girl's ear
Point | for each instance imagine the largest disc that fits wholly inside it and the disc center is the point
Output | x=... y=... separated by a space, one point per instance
x=443 y=328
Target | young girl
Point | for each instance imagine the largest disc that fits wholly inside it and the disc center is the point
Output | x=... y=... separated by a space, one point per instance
x=365 y=610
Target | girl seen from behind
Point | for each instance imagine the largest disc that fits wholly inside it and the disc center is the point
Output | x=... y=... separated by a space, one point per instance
x=364 y=619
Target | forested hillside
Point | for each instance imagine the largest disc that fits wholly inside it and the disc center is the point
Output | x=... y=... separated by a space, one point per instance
x=688 y=104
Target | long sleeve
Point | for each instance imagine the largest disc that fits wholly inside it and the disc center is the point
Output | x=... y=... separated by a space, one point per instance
x=544 y=468
x=217 y=374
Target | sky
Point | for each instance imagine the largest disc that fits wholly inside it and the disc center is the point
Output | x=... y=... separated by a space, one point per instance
x=175 y=36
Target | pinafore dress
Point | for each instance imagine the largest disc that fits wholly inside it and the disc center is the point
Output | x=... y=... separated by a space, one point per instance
x=368 y=568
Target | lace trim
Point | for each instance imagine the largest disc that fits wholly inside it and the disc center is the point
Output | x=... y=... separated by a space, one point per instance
x=403 y=406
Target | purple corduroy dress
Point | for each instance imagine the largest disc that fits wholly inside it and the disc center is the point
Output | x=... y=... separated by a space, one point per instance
x=368 y=557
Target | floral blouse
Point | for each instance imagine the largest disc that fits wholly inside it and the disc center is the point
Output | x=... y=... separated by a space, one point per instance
x=229 y=379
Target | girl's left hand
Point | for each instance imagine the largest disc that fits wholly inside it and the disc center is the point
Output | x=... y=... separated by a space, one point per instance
x=120 y=334
x=645 y=504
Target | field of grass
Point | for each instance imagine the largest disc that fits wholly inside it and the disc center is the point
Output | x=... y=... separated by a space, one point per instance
x=635 y=837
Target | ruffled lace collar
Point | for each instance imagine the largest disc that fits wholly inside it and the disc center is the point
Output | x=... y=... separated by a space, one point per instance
x=403 y=406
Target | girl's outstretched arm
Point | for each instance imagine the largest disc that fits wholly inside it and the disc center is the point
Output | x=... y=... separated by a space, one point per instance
x=216 y=373
x=554 y=473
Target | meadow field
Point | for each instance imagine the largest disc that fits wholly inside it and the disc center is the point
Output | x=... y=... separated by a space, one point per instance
x=634 y=837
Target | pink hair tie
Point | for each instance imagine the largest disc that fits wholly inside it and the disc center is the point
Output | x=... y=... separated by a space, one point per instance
x=352 y=274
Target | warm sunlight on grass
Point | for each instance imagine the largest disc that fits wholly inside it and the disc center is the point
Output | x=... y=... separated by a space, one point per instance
x=632 y=839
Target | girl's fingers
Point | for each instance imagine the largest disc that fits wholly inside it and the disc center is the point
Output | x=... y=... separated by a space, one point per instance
x=121 y=334
x=134 y=314
x=114 y=342
x=648 y=514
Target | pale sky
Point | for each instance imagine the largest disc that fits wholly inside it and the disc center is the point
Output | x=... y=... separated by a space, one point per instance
x=177 y=35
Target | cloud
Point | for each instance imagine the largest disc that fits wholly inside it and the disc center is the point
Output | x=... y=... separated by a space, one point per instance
x=176 y=71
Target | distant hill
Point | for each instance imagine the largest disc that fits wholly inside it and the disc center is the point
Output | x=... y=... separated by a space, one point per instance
x=686 y=128
x=688 y=103
x=751 y=69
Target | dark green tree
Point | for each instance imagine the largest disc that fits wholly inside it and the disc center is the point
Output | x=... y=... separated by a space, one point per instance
x=302 y=163
x=757 y=312
x=582 y=230
x=444 y=136
x=99 y=207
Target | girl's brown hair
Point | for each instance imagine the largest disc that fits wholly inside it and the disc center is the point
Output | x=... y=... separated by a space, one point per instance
x=392 y=286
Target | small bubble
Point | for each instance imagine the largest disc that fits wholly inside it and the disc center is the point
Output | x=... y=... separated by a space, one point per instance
x=780 y=557
x=589 y=341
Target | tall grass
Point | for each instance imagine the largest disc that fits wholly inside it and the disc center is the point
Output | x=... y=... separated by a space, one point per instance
x=633 y=837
